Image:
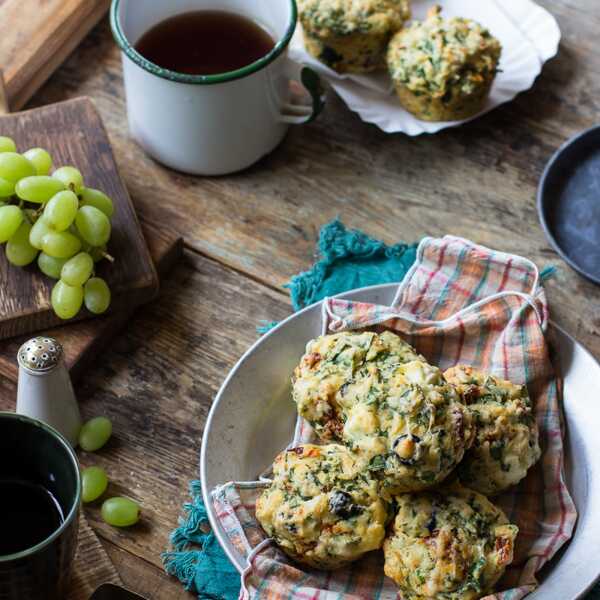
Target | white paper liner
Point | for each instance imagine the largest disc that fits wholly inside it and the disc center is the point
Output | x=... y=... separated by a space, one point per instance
x=529 y=36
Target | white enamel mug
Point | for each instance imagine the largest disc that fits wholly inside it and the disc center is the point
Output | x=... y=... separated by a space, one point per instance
x=212 y=124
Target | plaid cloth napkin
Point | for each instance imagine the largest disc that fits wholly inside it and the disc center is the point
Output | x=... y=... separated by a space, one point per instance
x=459 y=303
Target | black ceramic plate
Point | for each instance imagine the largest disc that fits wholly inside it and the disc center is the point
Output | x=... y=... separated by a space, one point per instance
x=569 y=202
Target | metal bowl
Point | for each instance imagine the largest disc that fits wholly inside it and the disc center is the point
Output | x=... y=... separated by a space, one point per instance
x=252 y=419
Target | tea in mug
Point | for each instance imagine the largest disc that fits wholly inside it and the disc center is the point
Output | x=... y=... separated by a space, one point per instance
x=205 y=42
x=29 y=514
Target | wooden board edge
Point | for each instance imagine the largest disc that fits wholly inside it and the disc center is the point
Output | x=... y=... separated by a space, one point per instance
x=42 y=66
x=4 y=106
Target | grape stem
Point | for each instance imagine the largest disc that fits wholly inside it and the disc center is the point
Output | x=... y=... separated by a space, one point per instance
x=31 y=218
x=107 y=256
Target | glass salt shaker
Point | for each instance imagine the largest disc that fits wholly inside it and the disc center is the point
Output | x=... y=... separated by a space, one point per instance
x=45 y=391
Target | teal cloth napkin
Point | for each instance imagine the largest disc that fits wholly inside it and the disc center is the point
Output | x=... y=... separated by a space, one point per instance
x=197 y=559
x=349 y=259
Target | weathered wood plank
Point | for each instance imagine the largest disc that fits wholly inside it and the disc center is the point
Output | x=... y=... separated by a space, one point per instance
x=145 y=578
x=477 y=181
x=92 y=566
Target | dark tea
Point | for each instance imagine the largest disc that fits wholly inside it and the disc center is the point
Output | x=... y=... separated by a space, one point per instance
x=29 y=514
x=205 y=42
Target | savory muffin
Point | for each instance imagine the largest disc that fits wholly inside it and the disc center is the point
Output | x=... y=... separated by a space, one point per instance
x=376 y=395
x=448 y=544
x=506 y=442
x=351 y=36
x=415 y=432
x=443 y=69
x=330 y=365
x=322 y=509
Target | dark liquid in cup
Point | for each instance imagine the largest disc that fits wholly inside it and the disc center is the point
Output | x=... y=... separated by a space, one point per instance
x=205 y=42
x=29 y=514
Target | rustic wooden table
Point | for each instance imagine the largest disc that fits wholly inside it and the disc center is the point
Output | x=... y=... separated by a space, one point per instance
x=247 y=234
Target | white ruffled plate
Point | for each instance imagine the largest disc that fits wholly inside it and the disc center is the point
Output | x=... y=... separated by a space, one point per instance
x=529 y=35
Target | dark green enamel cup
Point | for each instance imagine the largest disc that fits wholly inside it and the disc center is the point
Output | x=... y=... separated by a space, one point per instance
x=35 y=457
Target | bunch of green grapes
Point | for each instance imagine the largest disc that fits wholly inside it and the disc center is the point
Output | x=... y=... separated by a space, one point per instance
x=55 y=219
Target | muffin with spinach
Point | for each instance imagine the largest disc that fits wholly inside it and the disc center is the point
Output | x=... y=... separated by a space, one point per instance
x=351 y=36
x=443 y=69
x=338 y=369
x=322 y=508
x=378 y=396
x=506 y=441
x=448 y=544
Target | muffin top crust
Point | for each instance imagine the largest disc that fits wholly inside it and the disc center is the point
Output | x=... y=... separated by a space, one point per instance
x=506 y=442
x=450 y=544
x=376 y=395
x=438 y=57
x=322 y=508
x=327 y=19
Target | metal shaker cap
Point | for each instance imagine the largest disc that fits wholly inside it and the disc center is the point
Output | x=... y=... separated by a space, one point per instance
x=40 y=354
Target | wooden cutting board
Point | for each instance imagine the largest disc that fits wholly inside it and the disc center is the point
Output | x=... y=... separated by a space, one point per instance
x=73 y=133
x=37 y=36
x=84 y=339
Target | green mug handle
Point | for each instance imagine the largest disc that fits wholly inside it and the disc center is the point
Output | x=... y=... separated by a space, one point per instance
x=300 y=114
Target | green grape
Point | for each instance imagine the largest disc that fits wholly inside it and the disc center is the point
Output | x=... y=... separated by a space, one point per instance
x=96 y=295
x=93 y=225
x=7 y=188
x=40 y=159
x=7 y=144
x=60 y=244
x=38 y=189
x=97 y=253
x=98 y=199
x=66 y=300
x=93 y=483
x=95 y=433
x=15 y=166
x=70 y=177
x=38 y=232
x=77 y=270
x=19 y=251
x=60 y=211
x=85 y=247
x=49 y=265
x=11 y=218
x=120 y=512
